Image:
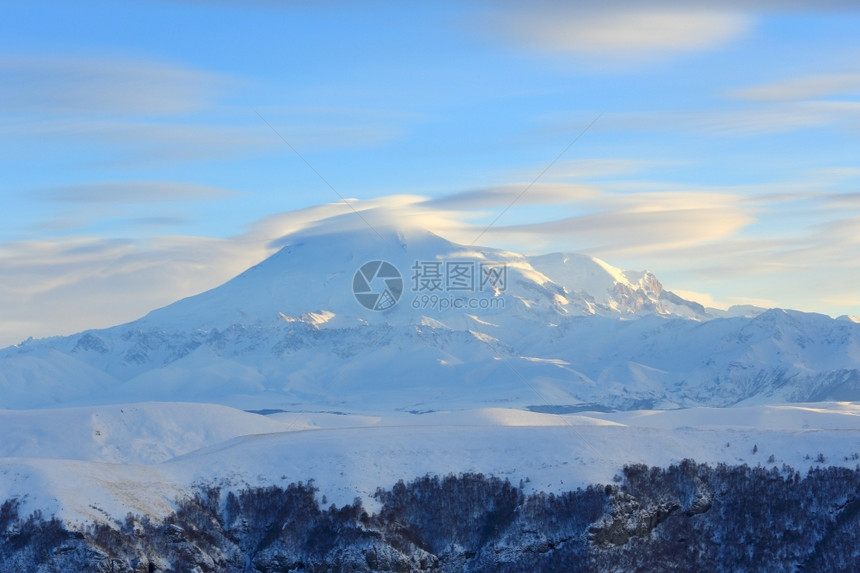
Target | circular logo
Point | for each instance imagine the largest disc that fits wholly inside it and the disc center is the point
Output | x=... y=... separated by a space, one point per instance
x=377 y=285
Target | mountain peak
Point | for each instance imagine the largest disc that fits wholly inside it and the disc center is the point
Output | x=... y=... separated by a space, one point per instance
x=400 y=318
x=316 y=270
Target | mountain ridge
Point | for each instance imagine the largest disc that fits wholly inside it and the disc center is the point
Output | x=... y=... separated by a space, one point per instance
x=556 y=330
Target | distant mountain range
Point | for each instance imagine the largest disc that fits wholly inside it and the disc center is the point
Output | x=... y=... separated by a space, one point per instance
x=403 y=320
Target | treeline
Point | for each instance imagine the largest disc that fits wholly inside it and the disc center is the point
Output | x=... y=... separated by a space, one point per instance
x=686 y=517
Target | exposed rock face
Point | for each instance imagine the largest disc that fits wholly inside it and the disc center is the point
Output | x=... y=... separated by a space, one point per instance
x=686 y=517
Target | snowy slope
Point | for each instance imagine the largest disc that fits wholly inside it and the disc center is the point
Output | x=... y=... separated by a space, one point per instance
x=350 y=456
x=565 y=332
x=131 y=433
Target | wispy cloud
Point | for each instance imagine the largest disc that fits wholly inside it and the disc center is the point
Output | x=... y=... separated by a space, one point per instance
x=156 y=221
x=623 y=225
x=148 y=112
x=131 y=192
x=502 y=195
x=98 y=87
x=739 y=5
x=803 y=88
x=60 y=287
x=620 y=30
x=633 y=33
x=747 y=119
x=595 y=168
x=125 y=139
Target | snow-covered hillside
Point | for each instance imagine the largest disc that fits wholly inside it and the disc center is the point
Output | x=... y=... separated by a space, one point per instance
x=557 y=332
x=100 y=463
x=145 y=433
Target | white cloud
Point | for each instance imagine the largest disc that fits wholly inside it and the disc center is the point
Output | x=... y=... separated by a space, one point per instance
x=802 y=88
x=632 y=32
x=754 y=119
x=702 y=298
x=596 y=168
x=522 y=194
x=140 y=112
x=130 y=192
x=629 y=232
x=83 y=86
x=60 y=287
x=601 y=223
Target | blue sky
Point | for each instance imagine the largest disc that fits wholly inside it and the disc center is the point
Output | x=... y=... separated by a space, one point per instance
x=725 y=155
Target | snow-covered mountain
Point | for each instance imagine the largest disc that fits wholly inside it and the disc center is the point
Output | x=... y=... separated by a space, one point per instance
x=472 y=327
x=367 y=358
